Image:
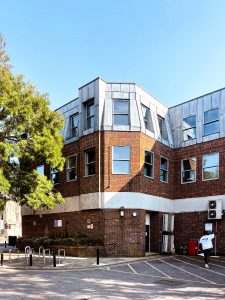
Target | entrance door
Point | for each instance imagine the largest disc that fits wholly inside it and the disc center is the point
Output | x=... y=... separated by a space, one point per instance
x=147 y=233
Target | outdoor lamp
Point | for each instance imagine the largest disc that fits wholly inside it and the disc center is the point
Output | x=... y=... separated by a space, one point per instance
x=122 y=211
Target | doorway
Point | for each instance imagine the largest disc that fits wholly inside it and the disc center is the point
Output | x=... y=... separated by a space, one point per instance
x=147 y=232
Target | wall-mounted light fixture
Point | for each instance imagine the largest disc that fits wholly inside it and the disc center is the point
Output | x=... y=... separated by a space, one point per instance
x=134 y=214
x=122 y=211
x=34 y=223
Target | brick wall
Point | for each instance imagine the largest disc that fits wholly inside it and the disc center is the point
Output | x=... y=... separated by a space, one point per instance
x=200 y=188
x=190 y=226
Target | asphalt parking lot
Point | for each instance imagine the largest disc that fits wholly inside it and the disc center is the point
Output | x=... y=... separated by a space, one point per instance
x=157 y=277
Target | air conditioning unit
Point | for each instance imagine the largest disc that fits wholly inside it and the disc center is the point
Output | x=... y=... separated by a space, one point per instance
x=165 y=239
x=165 y=224
x=215 y=209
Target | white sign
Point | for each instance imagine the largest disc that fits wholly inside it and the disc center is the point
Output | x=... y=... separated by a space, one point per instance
x=208 y=226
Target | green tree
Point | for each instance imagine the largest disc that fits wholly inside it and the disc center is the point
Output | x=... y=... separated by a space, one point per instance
x=29 y=137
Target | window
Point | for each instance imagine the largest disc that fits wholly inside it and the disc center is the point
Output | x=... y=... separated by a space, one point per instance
x=163 y=169
x=210 y=164
x=211 y=121
x=121 y=159
x=189 y=170
x=40 y=170
x=148 y=166
x=121 y=112
x=54 y=176
x=90 y=162
x=71 y=168
x=189 y=128
x=145 y=112
x=74 y=120
x=162 y=127
x=90 y=115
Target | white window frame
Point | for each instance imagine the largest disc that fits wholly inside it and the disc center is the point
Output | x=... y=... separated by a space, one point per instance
x=71 y=128
x=88 y=163
x=67 y=168
x=217 y=120
x=146 y=121
x=211 y=166
x=127 y=146
x=188 y=170
x=163 y=169
x=152 y=177
x=122 y=114
x=88 y=104
x=53 y=171
x=163 y=132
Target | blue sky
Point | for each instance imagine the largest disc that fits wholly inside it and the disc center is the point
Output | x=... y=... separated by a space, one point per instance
x=174 y=49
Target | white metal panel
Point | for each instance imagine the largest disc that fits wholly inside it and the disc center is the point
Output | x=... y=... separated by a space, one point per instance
x=193 y=107
x=147 y=219
x=108 y=87
x=186 y=109
x=216 y=99
x=207 y=102
x=132 y=96
x=165 y=243
x=165 y=224
x=108 y=95
x=115 y=87
x=125 y=87
x=107 y=113
x=134 y=114
x=120 y=95
x=210 y=137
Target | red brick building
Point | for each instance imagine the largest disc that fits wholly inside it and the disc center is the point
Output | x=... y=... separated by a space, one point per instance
x=139 y=176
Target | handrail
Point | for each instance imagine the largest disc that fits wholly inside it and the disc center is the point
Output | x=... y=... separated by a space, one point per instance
x=64 y=253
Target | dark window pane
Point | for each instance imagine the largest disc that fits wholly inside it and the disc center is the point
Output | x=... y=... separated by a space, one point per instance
x=91 y=169
x=211 y=115
x=163 y=175
x=120 y=120
x=90 y=110
x=148 y=170
x=91 y=156
x=121 y=107
x=188 y=176
x=211 y=128
x=163 y=163
x=189 y=122
x=148 y=157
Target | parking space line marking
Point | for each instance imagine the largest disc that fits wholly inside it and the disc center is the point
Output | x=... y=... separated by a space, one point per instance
x=208 y=270
x=132 y=268
x=172 y=278
x=210 y=263
x=158 y=270
x=188 y=271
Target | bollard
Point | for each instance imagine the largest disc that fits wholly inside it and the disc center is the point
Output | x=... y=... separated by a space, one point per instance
x=5 y=244
x=30 y=260
x=54 y=260
x=1 y=259
x=97 y=256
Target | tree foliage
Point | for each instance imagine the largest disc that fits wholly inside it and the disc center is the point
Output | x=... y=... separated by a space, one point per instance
x=29 y=137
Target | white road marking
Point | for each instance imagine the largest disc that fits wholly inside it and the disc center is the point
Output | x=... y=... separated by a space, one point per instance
x=132 y=268
x=157 y=269
x=188 y=272
x=208 y=270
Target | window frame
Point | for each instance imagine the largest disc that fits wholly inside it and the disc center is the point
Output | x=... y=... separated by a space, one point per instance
x=164 y=170
x=89 y=163
x=87 y=118
x=163 y=131
x=183 y=130
x=51 y=173
x=67 y=169
x=146 y=121
x=203 y=179
x=152 y=177
x=72 y=128
x=211 y=122
x=182 y=182
x=127 y=146
x=121 y=114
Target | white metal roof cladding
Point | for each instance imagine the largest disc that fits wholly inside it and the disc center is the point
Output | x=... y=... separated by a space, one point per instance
x=104 y=93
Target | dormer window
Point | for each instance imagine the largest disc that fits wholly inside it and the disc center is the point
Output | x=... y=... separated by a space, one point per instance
x=162 y=127
x=121 y=112
x=90 y=115
x=145 y=112
x=189 y=128
x=74 y=120
x=211 y=121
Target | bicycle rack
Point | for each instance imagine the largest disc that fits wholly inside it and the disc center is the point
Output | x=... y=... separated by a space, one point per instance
x=64 y=253
x=44 y=251
x=41 y=248
x=10 y=251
